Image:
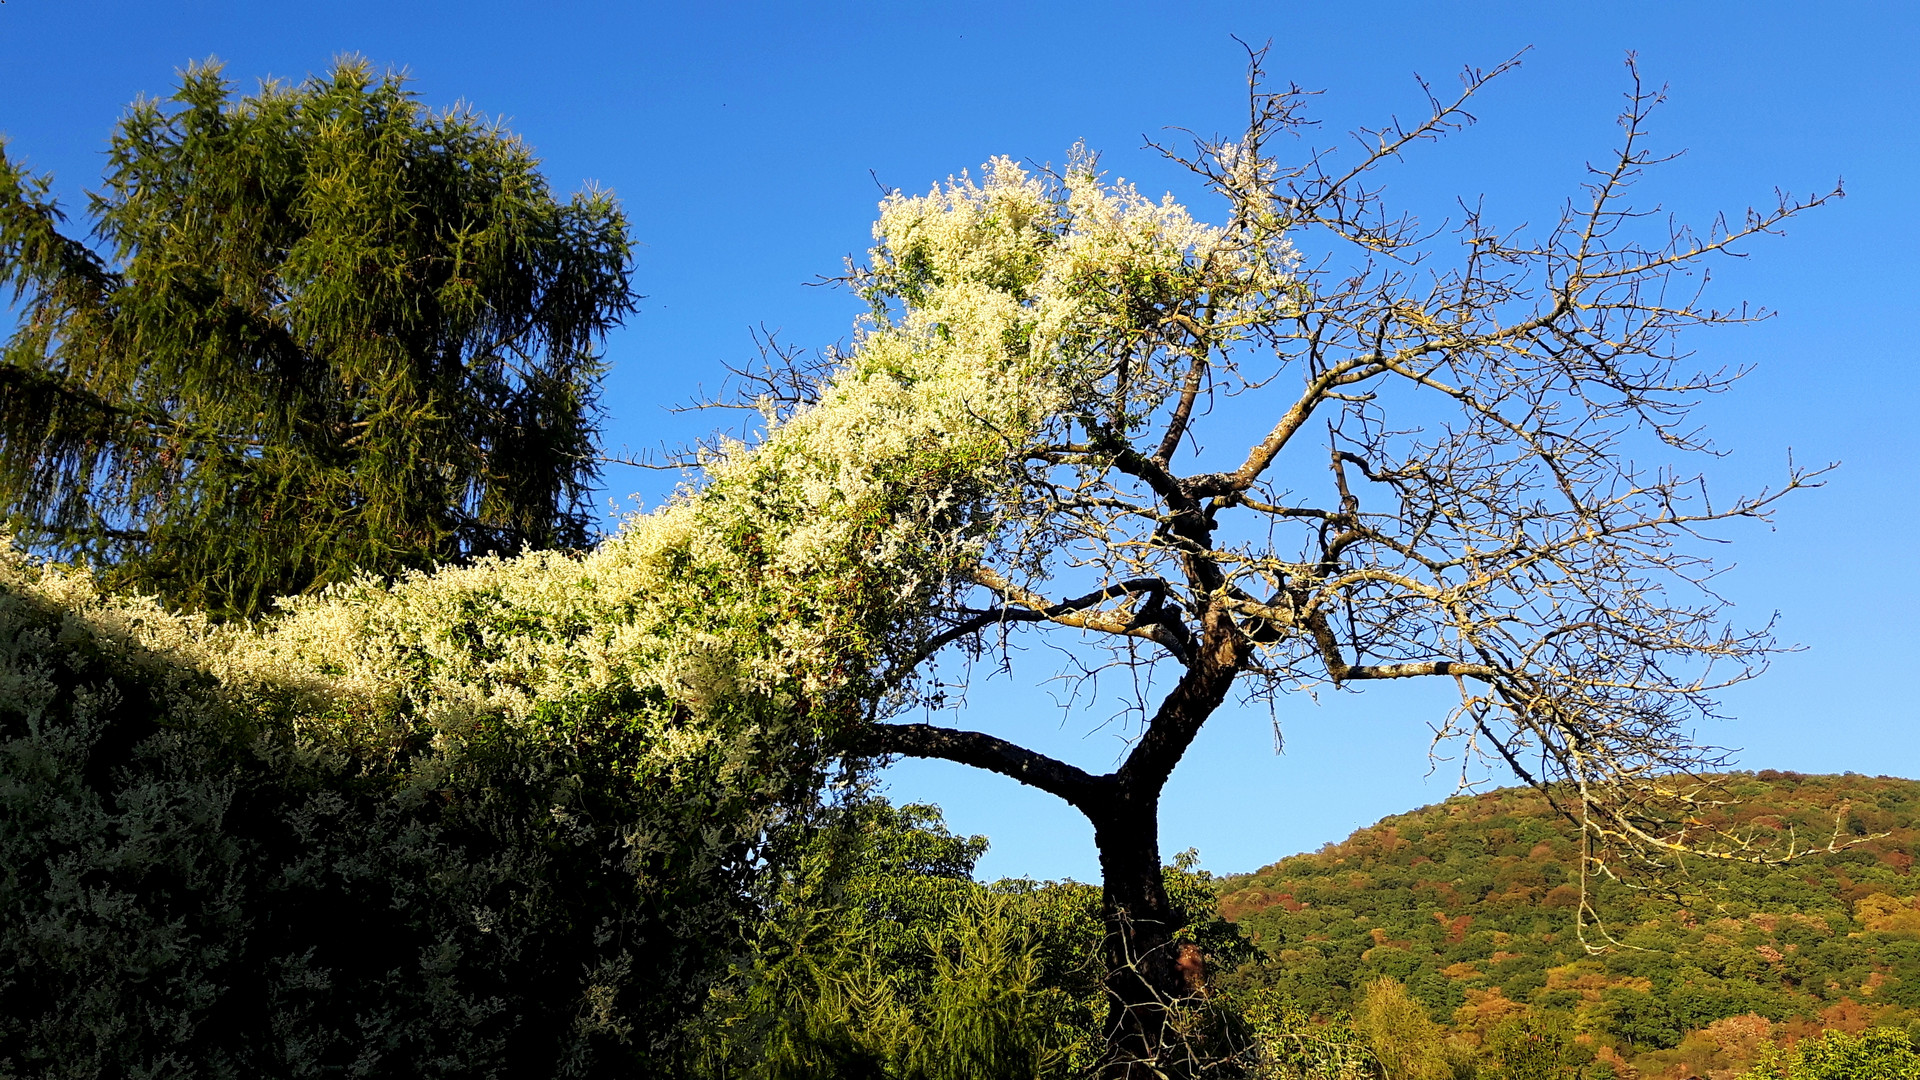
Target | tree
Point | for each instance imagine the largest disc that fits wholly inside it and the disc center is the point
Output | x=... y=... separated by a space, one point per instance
x=1406 y=1042
x=1449 y=483
x=881 y=956
x=1879 y=1054
x=323 y=330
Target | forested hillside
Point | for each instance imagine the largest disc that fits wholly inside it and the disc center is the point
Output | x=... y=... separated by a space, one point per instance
x=1472 y=904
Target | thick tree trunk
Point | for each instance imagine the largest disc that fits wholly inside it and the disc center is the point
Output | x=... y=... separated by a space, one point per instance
x=1145 y=978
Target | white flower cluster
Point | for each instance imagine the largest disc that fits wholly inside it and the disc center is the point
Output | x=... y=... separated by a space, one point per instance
x=803 y=563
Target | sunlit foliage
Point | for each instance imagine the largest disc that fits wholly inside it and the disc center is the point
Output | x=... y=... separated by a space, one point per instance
x=881 y=956
x=1875 y=1055
x=317 y=330
x=1471 y=904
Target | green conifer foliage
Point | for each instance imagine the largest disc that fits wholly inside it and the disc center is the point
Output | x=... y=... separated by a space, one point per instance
x=318 y=329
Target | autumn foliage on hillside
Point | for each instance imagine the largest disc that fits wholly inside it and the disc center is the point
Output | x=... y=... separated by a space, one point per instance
x=1474 y=904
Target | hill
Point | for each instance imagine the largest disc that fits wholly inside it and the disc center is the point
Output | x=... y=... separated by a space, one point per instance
x=1472 y=904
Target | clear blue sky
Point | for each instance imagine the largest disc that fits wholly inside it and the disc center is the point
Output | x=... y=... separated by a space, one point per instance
x=745 y=140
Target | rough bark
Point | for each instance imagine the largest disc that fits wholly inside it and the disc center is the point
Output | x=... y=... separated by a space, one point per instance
x=1144 y=978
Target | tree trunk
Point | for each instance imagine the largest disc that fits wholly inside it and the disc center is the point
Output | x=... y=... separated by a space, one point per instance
x=1148 y=979
x=1145 y=979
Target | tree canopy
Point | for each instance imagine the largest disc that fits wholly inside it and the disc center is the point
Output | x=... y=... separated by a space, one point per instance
x=1466 y=466
x=317 y=329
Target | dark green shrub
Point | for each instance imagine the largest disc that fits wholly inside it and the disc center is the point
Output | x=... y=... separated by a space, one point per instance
x=193 y=884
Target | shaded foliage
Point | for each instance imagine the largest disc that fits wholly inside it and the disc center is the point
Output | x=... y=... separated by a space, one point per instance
x=189 y=892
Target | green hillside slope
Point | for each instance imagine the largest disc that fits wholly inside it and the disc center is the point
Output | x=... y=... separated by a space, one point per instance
x=1472 y=904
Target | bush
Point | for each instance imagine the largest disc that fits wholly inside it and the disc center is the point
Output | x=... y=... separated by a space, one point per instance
x=1880 y=1054
x=194 y=890
x=882 y=957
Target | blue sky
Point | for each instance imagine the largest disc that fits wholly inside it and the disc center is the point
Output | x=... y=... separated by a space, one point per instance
x=745 y=141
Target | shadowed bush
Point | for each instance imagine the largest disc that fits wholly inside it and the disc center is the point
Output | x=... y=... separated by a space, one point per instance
x=190 y=892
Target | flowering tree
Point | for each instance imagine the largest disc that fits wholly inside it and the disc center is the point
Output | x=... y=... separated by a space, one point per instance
x=1446 y=486
x=508 y=815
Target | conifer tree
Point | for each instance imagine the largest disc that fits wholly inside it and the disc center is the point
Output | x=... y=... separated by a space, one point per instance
x=315 y=330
